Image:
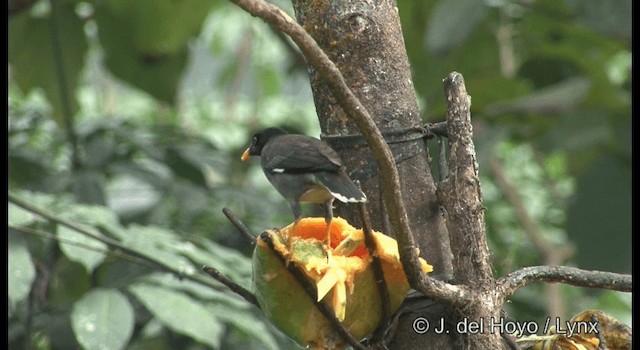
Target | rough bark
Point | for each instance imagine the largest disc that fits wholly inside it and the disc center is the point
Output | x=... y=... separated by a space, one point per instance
x=365 y=41
x=460 y=193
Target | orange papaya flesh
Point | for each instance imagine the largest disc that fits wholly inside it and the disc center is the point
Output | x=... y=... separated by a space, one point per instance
x=342 y=274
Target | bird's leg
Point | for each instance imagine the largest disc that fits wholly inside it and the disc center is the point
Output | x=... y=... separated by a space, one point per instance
x=297 y=214
x=328 y=216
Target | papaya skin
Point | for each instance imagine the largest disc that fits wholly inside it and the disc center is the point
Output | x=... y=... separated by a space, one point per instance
x=287 y=305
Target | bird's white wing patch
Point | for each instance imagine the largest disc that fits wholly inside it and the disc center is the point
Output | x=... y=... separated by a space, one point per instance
x=277 y=170
x=344 y=199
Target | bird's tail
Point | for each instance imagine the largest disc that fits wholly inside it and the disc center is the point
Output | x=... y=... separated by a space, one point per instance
x=341 y=187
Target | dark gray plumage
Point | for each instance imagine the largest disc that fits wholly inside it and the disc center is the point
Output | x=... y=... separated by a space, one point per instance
x=303 y=169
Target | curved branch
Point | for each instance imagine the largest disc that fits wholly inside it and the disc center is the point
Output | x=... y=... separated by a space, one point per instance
x=510 y=283
x=358 y=113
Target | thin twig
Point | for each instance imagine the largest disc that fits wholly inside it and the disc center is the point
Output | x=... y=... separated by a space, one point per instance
x=77 y=227
x=312 y=292
x=115 y=253
x=234 y=287
x=157 y=264
x=510 y=283
x=239 y=225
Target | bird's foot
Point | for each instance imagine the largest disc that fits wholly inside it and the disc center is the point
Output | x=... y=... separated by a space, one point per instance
x=294 y=227
x=327 y=238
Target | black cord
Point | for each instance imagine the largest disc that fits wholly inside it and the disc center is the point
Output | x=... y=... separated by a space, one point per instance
x=391 y=136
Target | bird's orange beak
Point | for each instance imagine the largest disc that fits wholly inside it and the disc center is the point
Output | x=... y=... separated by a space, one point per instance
x=245 y=154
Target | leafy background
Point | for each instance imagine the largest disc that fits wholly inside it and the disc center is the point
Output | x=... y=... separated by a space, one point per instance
x=128 y=118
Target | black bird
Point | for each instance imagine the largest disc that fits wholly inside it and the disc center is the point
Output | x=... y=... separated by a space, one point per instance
x=303 y=169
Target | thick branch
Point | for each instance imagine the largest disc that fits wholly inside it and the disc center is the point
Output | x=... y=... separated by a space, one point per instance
x=510 y=283
x=460 y=192
x=357 y=112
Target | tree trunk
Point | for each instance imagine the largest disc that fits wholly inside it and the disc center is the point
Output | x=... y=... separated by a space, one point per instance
x=364 y=39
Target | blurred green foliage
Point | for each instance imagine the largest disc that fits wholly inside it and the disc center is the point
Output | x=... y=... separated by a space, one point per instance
x=156 y=100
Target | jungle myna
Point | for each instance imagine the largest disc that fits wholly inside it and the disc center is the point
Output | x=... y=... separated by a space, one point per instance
x=303 y=169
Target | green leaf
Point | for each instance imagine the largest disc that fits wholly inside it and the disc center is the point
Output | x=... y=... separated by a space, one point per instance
x=451 y=22
x=37 y=199
x=224 y=297
x=21 y=271
x=87 y=185
x=128 y=203
x=617 y=304
x=70 y=281
x=180 y=313
x=161 y=244
x=162 y=26
x=247 y=323
x=570 y=50
x=599 y=217
x=18 y=216
x=103 y=319
x=145 y=42
x=228 y=261
x=558 y=98
x=608 y=17
x=94 y=216
x=583 y=133
x=33 y=65
x=81 y=253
